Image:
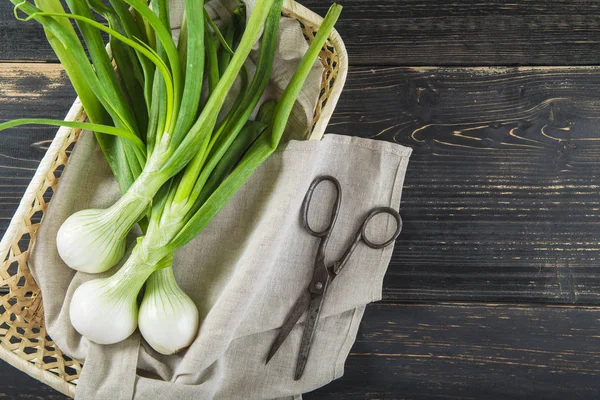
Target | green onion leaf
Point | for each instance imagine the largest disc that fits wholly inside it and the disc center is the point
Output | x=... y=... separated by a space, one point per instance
x=218 y=33
x=111 y=130
x=266 y=143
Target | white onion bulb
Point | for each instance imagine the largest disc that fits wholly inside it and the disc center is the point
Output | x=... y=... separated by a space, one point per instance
x=105 y=310
x=94 y=240
x=168 y=318
x=86 y=242
x=100 y=314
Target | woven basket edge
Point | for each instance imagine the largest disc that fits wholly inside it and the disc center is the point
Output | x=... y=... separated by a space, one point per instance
x=38 y=179
x=42 y=375
x=13 y=229
x=336 y=91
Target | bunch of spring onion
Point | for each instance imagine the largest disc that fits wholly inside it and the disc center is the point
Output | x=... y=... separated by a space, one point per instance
x=177 y=156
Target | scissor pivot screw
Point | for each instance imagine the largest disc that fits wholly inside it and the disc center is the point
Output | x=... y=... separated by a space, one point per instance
x=318 y=286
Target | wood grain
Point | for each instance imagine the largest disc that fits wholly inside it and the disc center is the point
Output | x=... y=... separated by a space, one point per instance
x=449 y=351
x=27 y=91
x=501 y=196
x=471 y=351
x=500 y=202
x=500 y=199
x=17 y=385
x=420 y=32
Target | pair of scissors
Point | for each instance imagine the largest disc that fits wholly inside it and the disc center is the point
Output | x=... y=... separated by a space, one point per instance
x=312 y=299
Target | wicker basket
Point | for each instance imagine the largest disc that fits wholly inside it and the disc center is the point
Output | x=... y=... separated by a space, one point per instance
x=24 y=342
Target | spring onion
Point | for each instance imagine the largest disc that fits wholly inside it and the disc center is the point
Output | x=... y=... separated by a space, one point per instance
x=168 y=318
x=159 y=321
x=172 y=148
x=170 y=212
x=105 y=311
x=178 y=158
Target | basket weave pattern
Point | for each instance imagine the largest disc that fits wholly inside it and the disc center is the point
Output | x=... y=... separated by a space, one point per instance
x=329 y=58
x=22 y=330
x=23 y=339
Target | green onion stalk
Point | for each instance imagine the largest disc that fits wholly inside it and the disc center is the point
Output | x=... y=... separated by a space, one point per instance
x=94 y=240
x=180 y=212
x=174 y=162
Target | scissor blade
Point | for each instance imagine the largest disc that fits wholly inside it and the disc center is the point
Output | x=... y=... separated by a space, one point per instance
x=289 y=323
x=312 y=318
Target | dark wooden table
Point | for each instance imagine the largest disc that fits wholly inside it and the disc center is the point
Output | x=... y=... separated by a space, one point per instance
x=494 y=287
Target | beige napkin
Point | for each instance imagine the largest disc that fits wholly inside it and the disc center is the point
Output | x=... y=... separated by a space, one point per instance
x=244 y=271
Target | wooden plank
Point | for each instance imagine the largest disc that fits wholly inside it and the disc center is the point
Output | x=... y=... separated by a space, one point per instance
x=420 y=32
x=459 y=351
x=27 y=91
x=17 y=385
x=375 y=9
x=22 y=40
x=454 y=351
x=495 y=208
x=501 y=195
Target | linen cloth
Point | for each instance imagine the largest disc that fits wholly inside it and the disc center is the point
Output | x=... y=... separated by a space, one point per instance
x=245 y=270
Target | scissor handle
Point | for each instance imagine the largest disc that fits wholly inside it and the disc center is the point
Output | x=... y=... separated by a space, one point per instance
x=373 y=213
x=334 y=212
x=361 y=235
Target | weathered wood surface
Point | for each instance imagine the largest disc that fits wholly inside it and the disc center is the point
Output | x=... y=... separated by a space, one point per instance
x=27 y=91
x=449 y=351
x=421 y=32
x=16 y=385
x=500 y=202
x=501 y=198
x=472 y=351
